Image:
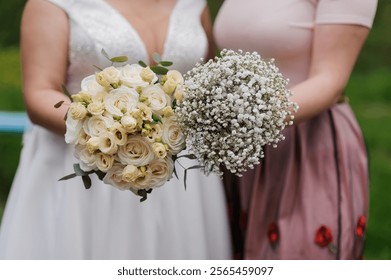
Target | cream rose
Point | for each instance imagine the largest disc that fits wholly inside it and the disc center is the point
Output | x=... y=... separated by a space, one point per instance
x=176 y=76
x=156 y=97
x=86 y=159
x=89 y=84
x=179 y=93
x=104 y=162
x=108 y=77
x=96 y=124
x=119 y=133
x=137 y=151
x=161 y=170
x=159 y=149
x=96 y=108
x=83 y=138
x=173 y=135
x=77 y=111
x=73 y=129
x=144 y=180
x=83 y=97
x=107 y=143
x=145 y=112
x=169 y=86
x=92 y=144
x=148 y=75
x=131 y=76
x=168 y=112
x=121 y=101
x=130 y=124
x=114 y=177
x=131 y=173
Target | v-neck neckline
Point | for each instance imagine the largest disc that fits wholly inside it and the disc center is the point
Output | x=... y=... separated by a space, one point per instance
x=137 y=34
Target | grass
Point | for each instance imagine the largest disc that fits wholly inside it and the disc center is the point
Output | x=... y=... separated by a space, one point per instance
x=369 y=97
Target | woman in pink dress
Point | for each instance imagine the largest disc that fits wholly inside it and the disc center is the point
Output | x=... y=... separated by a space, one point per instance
x=308 y=199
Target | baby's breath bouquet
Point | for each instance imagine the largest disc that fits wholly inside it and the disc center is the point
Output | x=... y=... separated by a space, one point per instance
x=123 y=127
x=234 y=105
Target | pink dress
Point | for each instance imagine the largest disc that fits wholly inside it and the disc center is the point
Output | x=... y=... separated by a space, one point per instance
x=308 y=199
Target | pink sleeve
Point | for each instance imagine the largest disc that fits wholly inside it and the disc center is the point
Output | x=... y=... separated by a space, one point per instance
x=361 y=12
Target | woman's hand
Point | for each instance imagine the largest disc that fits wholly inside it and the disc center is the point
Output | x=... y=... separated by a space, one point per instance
x=44 y=56
x=335 y=50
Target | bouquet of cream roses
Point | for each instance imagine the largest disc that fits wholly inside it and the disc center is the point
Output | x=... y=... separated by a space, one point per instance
x=123 y=127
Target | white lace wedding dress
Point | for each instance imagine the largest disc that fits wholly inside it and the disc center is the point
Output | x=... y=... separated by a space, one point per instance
x=48 y=219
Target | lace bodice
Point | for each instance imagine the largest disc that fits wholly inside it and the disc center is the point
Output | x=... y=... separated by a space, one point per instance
x=96 y=25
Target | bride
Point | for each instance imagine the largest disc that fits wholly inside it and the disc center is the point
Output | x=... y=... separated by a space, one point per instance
x=61 y=41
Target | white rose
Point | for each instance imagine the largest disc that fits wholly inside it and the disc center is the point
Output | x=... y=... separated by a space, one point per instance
x=114 y=177
x=179 y=93
x=129 y=123
x=77 y=111
x=156 y=97
x=176 y=76
x=96 y=108
x=83 y=97
x=89 y=84
x=145 y=112
x=137 y=151
x=73 y=129
x=173 y=135
x=104 y=162
x=131 y=76
x=108 y=77
x=155 y=133
x=96 y=124
x=144 y=179
x=159 y=149
x=86 y=159
x=130 y=173
x=107 y=143
x=121 y=101
x=148 y=75
x=119 y=133
x=162 y=170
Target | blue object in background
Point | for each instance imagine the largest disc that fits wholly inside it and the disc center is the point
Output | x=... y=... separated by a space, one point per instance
x=14 y=122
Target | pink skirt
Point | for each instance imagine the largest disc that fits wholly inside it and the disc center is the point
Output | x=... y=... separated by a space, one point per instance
x=308 y=199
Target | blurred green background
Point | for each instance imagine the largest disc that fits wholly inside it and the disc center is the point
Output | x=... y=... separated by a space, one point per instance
x=369 y=91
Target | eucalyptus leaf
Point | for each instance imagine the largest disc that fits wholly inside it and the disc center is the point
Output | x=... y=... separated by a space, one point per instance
x=58 y=105
x=119 y=59
x=142 y=63
x=143 y=195
x=159 y=70
x=100 y=174
x=195 y=167
x=78 y=170
x=86 y=181
x=66 y=92
x=97 y=67
x=156 y=57
x=104 y=53
x=70 y=176
x=166 y=63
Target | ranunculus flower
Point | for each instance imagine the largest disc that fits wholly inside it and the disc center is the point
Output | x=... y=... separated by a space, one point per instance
x=104 y=162
x=96 y=124
x=156 y=97
x=131 y=76
x=148 y=75
x=161 y=170
x=130 y=173
x=114 y=177
x=119 y=133
x=108 y=77
x=159 y=149
x=107 y=143
x=73 y=130
x=173 y=135
x=96 y=108
x=137 y=151
x=121 y=101
x=144 y=180
x=90 y=85
x=130 y=124
x=77 y=111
